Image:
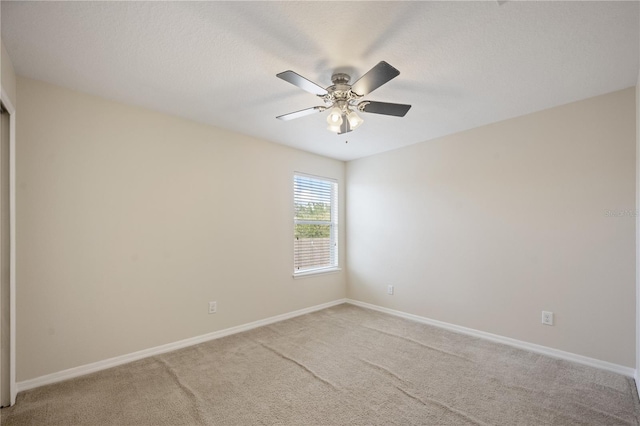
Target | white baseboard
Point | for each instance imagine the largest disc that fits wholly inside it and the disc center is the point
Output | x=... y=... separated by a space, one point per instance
x=544 y=350
x=124 y=359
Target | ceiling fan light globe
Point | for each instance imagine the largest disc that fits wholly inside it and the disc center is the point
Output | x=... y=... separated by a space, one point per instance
x=335 y=117
x=354 y=119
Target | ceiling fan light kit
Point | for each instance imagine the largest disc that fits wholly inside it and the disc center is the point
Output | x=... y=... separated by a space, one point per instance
x=343 y=100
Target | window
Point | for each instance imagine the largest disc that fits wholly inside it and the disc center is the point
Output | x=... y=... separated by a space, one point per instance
x=315 y=242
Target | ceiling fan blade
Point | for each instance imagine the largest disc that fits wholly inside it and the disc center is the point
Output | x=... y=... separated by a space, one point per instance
x=386 y=108
x=374 y=78
x=301 y=113
x=301 y=82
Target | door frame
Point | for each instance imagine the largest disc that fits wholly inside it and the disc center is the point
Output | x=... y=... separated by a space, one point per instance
x=9 y=106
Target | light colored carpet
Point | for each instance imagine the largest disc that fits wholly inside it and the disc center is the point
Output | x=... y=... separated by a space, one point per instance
x=341 y=366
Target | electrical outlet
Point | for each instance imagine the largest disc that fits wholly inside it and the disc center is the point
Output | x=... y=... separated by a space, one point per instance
x=389 y=289
x=213 y=307
x=547 y=318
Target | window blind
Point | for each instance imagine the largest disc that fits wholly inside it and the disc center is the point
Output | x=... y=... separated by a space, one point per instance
x=315 y=222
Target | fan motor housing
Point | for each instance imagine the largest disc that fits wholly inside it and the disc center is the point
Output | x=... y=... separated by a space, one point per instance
x=340 y=93
x=340 y=78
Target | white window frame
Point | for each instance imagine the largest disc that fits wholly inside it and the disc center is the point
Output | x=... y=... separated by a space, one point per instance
x=333 y=226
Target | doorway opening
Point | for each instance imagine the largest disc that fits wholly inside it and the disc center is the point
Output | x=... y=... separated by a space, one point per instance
x=7 y=252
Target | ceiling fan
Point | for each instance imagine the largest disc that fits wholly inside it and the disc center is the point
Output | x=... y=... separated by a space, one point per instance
x=344 y=99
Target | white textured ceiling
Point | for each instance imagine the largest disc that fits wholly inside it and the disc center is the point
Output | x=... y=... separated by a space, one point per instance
x=462 y=64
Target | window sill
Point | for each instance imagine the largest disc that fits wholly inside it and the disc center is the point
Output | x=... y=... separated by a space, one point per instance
x=314 y=272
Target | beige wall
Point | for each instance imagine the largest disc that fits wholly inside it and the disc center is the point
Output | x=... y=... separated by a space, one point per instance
x=487 y=228
x=131 y=221
x=8 y=78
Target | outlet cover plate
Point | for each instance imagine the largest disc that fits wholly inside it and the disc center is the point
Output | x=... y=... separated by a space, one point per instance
x=213 y=307
x=547 y=318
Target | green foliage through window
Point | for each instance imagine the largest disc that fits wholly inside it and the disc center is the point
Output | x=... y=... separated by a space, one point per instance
x=313 y=231
x=314 y=212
